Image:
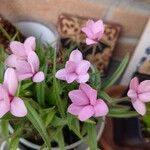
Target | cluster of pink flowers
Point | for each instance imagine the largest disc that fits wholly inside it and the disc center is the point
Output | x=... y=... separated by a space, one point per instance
x=25 y=60
x=22 y=64
x=84 y=100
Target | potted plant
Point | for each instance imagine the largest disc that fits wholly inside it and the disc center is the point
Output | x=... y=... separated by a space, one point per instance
x=55 y=101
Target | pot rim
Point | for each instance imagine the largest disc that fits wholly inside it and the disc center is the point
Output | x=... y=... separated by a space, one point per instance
x=73 y=145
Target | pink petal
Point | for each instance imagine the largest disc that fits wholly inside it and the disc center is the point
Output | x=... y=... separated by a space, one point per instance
x=144 y=86
x=132 y=94
x=144 y=97
x=76 y=56
x=24 y=76
x=87 y=31
x=101 y=109
x=71 y=77
x=74 y=109
x=18 y=107
x=83 y=78
x=98 y=27
x=90 y=41
x=38 y=77
x=4 y=107
x=11 y=60
x=61 y=74
x=24 y=70
x=3 y=93
x=23 y=67
x=90 y=92
x=134 y=83
x=70 y=66
x=4 y=101
x=11 y=81
x=83 y=67
x=29 y=44
x=89 y=24
x=86 y=113
x=18 y=49
x=139 y=107
x=34 y=61
x=78 y=97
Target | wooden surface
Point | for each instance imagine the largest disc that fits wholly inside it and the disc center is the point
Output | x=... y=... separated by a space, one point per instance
x=107 y=142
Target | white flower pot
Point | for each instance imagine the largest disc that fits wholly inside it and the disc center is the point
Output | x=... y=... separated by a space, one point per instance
x=79 y=145
x=47 y=35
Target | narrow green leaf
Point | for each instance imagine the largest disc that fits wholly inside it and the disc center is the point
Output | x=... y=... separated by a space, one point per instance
x=57 y=122
x=40 y=88
x=15 y=36
x=60 y=139
x=4 y=32
x=56 y=96
x=4 y=128
x=37 y=122
x=74 y=125
x=47 y=115
x=126 y=114
x=95 y=78
x=91 y=136
x=115 y=76
x=90 y=121
x=14 y=141
x=105 y=96
x=26 y=85
x=1 y=72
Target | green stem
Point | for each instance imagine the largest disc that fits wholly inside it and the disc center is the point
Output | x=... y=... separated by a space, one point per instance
x=93 y=52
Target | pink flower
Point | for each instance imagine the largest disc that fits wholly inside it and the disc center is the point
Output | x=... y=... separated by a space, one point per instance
x=25 y=60
x=22 y=50
x=139 y=94
x=26 y=68
x=8 y=101
x=94 y=31
x=75 y=69
x=85 y=103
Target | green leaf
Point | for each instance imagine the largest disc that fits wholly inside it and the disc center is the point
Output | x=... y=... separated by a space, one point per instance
x=8 y=117
x=2 y=68
x=125 y=114
x=91 y=136
x=47 y=115
x=90 y=121
x=60 y=139
x=95 y=78
x=26 y=85
x=4 y=32
x=117 y=109
x=56 y=89
x=74 y=125
x=14 y=142
x=57 y=122
x=4 y=128
x=115 y=76
x=37 y=122
x=105 y=96
x=40 y=87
